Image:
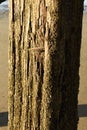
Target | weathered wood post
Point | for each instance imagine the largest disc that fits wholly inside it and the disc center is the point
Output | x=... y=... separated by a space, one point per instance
x=44 y=53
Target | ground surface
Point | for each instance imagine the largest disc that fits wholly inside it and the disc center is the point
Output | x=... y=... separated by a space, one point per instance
x=83 y=79
x=4 y=72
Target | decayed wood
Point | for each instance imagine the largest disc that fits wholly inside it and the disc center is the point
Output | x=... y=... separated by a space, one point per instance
x=44 y=53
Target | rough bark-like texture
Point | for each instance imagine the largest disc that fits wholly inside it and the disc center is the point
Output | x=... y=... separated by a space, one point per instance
x=44 y=52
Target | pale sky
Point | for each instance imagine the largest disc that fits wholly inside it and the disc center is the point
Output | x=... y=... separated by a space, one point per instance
x=85 y=2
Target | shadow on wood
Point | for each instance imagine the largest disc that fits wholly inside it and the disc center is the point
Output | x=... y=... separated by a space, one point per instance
x=82 y=110
x=3 y=119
